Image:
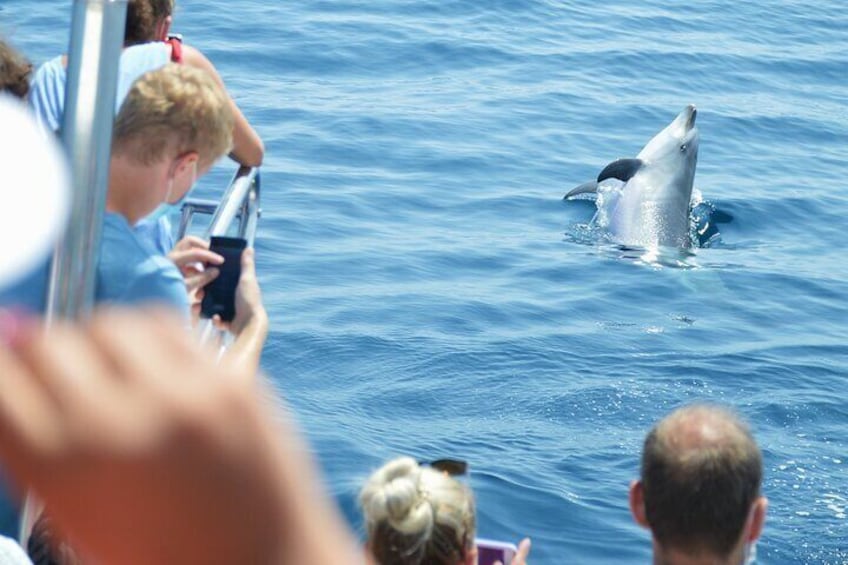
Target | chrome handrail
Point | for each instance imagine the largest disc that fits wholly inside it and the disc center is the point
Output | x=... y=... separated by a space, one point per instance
x=240 y=201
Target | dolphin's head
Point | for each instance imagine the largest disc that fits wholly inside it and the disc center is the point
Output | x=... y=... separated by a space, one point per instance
x=677 y=142
x=673 y=155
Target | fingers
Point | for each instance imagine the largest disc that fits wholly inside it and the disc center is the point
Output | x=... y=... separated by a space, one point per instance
x=219 y=323
x=148 y=346
x=189 y=257
x=65 y=362
x=190 y=241
x=248 y=286
x=523 y=552
x=247 y=262
x=191 y=250
x=201 y=279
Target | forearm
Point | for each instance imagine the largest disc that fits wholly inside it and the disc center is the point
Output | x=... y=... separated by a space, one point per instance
x=245 y=352
x=248 y=148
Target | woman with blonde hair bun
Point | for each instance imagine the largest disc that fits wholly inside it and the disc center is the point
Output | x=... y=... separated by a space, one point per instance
x=416 y=515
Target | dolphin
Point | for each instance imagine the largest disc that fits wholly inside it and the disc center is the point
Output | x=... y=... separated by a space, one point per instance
x=652 y=208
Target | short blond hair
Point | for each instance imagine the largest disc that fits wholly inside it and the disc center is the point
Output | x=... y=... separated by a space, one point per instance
x=174 y=108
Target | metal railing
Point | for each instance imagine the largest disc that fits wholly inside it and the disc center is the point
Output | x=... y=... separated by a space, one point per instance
x=239 y=206
x=89 y=111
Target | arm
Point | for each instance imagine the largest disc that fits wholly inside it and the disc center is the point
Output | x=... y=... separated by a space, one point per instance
x=248 y=148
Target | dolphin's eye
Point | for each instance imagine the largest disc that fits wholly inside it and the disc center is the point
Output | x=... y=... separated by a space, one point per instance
x=683 y=148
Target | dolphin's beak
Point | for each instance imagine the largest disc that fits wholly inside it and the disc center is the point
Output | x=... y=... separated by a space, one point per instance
x=691 y=113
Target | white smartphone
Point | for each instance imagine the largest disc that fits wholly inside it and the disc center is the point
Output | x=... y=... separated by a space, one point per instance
x=491 y=551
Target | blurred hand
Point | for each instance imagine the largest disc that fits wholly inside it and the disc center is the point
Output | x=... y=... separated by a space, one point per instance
x=143 y=448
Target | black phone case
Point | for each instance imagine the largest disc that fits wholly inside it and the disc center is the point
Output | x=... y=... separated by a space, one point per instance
x=220 y=295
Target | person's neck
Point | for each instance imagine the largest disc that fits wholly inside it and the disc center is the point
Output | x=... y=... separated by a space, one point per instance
x=131 y=189
x=675 y=557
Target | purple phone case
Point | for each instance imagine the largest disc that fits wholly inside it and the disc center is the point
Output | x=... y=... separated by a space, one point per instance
x=491 y=551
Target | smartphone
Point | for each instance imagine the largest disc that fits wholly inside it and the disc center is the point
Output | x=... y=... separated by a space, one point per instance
x=219 y=296
x=491 y=551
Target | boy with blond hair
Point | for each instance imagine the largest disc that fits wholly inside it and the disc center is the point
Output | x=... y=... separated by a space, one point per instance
x=173 y=125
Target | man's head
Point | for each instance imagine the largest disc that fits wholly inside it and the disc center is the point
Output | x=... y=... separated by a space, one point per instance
x=699 y=491
x=148 y=20
x=174 y=123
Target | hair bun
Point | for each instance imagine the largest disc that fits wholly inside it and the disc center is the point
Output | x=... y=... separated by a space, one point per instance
x=394 y=494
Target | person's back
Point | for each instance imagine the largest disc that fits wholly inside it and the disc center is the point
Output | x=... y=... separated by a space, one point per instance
x=147 y=47
x=147 y=41
x=699 y=491
x=47 y=95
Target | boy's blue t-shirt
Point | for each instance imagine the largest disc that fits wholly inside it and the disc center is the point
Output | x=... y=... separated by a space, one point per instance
x=130 y=272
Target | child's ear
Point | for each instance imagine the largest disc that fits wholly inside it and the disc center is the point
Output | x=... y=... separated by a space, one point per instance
x=188 y=161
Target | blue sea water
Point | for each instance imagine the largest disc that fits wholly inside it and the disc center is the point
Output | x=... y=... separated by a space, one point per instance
x=431 y=293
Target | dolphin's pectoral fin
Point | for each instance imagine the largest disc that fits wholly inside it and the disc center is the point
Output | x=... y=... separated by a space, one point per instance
x=590 y=187
x=621 y=169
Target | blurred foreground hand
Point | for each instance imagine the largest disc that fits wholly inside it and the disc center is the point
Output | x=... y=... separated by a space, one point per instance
x=146 y=451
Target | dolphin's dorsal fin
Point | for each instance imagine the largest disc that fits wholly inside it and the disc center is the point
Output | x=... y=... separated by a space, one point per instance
x=585 y=188
x=621 y=169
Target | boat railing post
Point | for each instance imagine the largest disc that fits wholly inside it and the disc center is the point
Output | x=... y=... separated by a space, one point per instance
x=97 y=36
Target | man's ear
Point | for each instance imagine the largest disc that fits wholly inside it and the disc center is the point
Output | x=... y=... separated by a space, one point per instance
x=637 y=504
x=163 y=28
x=756 y=520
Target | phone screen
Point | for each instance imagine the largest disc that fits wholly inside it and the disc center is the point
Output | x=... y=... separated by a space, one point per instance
x=220 y=295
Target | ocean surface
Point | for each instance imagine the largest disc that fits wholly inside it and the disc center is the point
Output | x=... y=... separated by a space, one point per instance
x=432 y=294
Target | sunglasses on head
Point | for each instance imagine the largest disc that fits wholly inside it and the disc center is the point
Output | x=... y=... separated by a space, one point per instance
x=452 y=467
